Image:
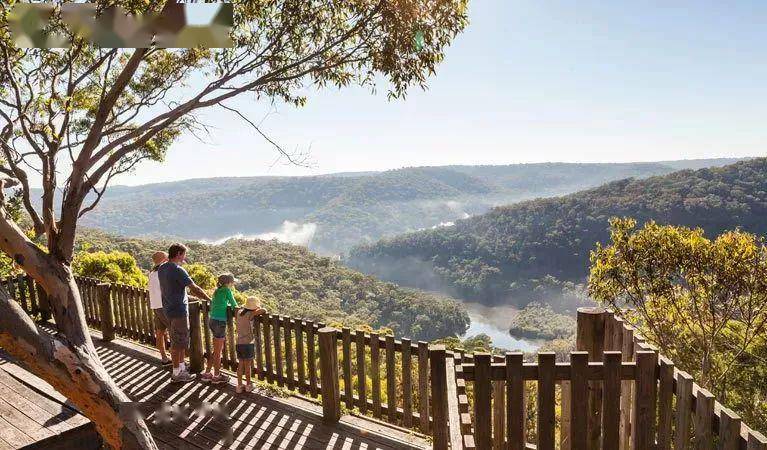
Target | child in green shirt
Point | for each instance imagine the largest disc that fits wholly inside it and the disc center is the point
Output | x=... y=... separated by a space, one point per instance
x=222 y=299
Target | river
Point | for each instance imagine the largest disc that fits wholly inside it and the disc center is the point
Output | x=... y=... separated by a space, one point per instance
x=494 y=321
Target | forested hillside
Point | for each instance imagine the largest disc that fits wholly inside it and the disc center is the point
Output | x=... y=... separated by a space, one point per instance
x=499 y=256
x=293 y=281
x=332 y=213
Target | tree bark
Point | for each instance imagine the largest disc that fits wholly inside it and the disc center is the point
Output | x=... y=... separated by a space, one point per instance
x=73 y=370
x=67 y=361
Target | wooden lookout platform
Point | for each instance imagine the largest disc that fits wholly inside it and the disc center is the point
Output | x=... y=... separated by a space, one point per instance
x=325 y=388
x=239 y=421
x=191 y=416
x=34 y=416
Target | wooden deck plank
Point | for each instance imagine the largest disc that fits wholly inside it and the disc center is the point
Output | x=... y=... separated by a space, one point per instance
x=23 y=406
x=256 y=421
x=52 y=397
x=4 y=445
x=13 y=436
x=42 y=419
x=259 y=420
x=21 y=422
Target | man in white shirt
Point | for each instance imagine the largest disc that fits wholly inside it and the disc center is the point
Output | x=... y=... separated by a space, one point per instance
x=161 y=322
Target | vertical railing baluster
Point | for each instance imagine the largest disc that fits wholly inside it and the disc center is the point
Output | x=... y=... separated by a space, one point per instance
x=346 y=344
x=362 y=399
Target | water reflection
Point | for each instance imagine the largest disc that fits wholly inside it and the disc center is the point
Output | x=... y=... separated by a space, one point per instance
x=494 y=321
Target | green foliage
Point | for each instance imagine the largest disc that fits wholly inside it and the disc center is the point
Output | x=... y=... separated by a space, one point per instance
x=703 y=302
x=472 y=344
x=202 y=276
x=293 y=281
x=539 y=321
x=348 y=209
x=487 y=257
x=14 y=209
x=113 y=266
x=561 y=347
x=281 y=49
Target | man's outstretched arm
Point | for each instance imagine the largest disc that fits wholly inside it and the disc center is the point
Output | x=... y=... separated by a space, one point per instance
x=198 y=292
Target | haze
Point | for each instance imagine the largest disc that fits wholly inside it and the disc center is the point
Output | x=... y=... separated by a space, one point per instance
x=528 y=81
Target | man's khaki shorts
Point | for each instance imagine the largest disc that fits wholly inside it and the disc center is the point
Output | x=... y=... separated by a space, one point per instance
x=179 y=333
x=160 y=320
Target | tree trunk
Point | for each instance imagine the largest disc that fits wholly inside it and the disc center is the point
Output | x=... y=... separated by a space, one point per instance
x=75 y=370
x=67 y=361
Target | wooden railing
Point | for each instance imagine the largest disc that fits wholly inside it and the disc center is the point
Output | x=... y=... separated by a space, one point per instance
x=376 y=375
x=30 y=296
x=394 y=373
x=686 y=412
x=616 y=392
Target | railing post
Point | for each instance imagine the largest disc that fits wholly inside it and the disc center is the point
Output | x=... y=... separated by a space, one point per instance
x=437 y=364
x=483 y=414
x=195 y=338
x=704 y=420
x=644 y=400
x=628 y=390
x=756 y=441
x=105 y=304
x=331 y=396
x=423 y=386
x=591 y=338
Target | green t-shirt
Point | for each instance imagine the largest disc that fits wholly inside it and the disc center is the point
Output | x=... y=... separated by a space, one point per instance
x=222 y=298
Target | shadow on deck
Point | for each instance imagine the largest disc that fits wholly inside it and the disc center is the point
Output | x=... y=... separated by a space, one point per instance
x=34 y=416
x=202 y=416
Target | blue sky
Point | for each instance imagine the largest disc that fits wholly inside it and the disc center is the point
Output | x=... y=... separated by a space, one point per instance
x=528 y=81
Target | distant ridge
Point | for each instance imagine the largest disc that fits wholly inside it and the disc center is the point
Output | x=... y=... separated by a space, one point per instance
x=678 y=164
x=331 y=213
x=491 y=256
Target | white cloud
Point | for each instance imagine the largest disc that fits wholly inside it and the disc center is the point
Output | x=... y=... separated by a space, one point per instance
x=290 y=232
x=439 y=225
x=443 y=224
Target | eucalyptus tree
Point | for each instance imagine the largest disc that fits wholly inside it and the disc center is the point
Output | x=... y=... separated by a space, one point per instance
x=702 y=301
x=71 y=120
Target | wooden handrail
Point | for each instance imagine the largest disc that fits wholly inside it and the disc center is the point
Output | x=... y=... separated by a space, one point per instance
x=562 y=371
x=288 y=351
x=686 y=391
x=639 y=389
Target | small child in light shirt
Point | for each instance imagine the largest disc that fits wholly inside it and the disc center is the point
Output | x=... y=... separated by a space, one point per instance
x=245 y=347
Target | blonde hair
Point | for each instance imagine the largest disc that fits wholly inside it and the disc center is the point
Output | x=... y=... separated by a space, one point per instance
x=159 y=257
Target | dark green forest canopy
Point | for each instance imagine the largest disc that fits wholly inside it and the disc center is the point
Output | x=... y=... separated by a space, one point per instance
x=491 y=256
x=293 y=281
x=348 y=209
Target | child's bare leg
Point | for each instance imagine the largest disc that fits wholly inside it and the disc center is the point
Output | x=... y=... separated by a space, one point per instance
x=209 y=363
x=239 y=373
x=218 y=347
x=160 y=339
x=248 y=365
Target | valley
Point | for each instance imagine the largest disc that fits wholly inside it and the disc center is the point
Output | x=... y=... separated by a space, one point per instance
x=534 y=249
x=289 y=280
x=493 y=259
x=330 y=214
x=494 y=321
